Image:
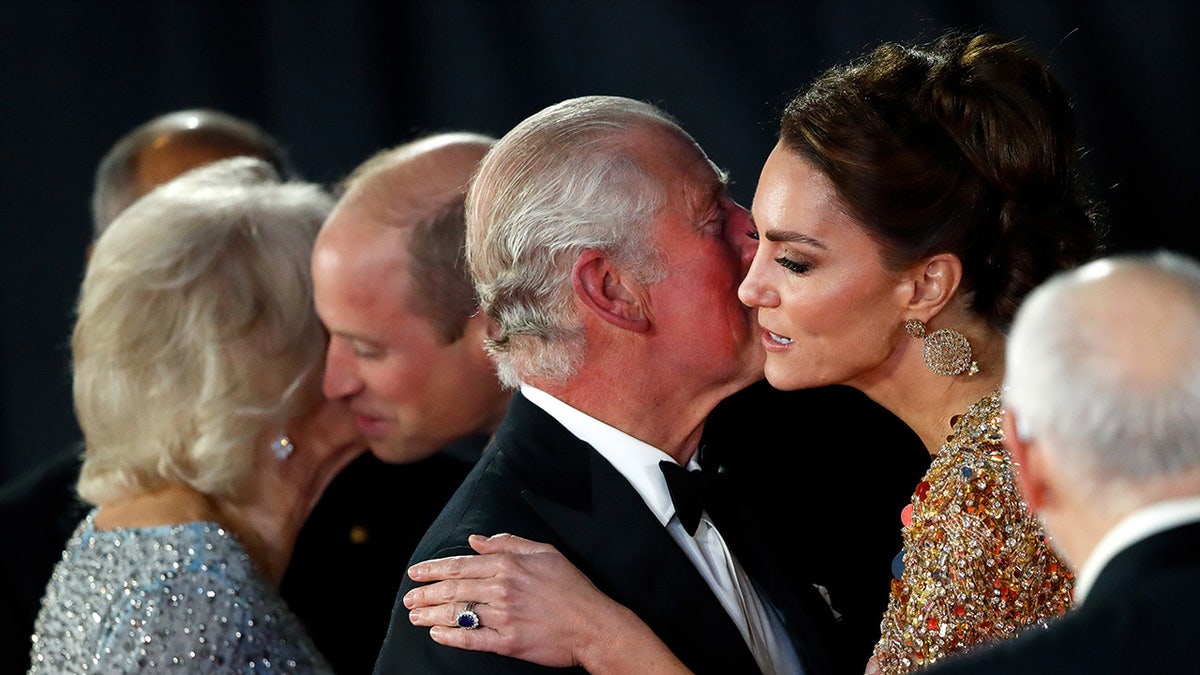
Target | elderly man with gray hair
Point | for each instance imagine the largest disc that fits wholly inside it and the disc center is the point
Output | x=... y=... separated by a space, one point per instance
x=607 y=252
x=1103 y=394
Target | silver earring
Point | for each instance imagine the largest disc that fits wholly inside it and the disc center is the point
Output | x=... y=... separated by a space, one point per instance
x=947 y=351
x=282 y=447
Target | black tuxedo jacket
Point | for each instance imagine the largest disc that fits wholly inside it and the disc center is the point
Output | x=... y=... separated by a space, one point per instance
x=343 y=577
x=538 y=481
x=1141 y=616
x=38 y=512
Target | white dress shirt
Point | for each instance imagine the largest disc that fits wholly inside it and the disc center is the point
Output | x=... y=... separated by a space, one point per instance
x=1141 y=524
x=756 y=618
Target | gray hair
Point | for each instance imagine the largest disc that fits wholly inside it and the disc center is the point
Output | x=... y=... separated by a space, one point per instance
x=218 y=134
x=196 y=334
x=561 y=182
x=1104 y=364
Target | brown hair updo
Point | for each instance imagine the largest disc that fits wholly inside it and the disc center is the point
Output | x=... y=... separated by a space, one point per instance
x=965 y=146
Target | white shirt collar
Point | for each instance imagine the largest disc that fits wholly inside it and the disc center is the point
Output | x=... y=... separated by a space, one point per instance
x=638 y=463
x=636 y=460
x=1139 y=525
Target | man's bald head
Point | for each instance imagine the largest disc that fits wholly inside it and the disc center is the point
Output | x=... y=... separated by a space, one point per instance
x=429 y=167
x=169 y=145
x=419 y=187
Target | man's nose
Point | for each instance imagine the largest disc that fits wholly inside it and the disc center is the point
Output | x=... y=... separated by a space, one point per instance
x=340 y=379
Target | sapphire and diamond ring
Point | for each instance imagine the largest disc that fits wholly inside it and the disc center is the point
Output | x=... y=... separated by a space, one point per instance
x=467 y=618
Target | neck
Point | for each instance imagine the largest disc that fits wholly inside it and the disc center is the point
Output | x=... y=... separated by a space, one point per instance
x=668 y=418
x=926 y=401
x=1084 y=509
x=266 y=522
x=498 y=411
x=278 y=502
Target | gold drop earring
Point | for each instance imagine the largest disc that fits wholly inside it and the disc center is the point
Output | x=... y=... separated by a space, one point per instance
x=947 y=351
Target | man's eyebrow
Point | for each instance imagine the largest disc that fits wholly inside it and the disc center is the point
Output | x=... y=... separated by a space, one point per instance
x=352 y=336
x=789 y=236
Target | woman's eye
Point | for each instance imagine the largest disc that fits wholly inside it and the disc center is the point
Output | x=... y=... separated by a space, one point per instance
x=753 y=234
x=793 y=266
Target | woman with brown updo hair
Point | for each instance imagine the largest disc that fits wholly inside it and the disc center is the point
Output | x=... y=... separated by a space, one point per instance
x=915 y=196
x=954 y=167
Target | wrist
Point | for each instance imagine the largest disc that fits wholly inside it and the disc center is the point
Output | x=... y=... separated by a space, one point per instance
x=625 y=644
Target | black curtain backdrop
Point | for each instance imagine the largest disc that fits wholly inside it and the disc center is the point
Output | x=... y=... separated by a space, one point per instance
x=336 y=81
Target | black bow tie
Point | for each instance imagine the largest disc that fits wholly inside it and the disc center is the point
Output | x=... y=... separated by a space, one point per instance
x=691 y=491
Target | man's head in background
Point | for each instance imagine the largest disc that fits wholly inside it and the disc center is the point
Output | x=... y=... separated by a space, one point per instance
x=169 y=145
x=392 y=286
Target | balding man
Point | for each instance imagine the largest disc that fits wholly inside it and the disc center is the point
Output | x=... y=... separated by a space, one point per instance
x=406 y=353
x=1103 y=393
x=168 y=145
x=391 y=285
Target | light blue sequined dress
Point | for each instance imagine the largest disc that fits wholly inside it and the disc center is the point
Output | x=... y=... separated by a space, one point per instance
x=178 y=598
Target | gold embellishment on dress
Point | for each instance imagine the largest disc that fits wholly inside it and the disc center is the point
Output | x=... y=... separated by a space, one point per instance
x=976 y=566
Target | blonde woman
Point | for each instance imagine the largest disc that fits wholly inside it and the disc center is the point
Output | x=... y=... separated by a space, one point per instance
x=197 y=365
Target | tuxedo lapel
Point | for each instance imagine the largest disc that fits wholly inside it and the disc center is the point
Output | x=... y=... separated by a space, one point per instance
x=807 y=617
x=605 y=529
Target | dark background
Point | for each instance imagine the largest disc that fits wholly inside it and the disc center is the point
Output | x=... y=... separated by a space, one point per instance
x=336 y=81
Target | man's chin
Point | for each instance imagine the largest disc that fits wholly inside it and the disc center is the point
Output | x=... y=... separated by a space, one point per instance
x=395 y=451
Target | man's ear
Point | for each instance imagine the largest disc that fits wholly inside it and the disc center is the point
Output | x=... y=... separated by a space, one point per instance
x=609 y=292
x=931 y=284
x=1029 y=463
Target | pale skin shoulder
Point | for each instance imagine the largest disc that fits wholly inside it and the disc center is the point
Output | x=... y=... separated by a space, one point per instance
x=534 y=605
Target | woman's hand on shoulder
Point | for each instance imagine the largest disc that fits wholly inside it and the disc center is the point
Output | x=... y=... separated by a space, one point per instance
x=534 y=605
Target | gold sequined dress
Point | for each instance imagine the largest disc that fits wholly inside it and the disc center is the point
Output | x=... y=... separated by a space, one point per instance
x=976 y=566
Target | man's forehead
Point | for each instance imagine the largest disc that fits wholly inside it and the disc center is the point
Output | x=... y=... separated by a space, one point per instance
x=707 y=187
x=361 y=286
x=682 y=166
x=360 y=241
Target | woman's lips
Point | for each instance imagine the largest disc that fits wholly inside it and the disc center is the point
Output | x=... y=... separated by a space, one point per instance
x=774 y=341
